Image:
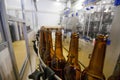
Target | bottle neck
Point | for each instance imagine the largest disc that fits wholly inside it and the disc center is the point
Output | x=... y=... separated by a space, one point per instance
x=73 y=50
x=97 y=59
x=58 y=45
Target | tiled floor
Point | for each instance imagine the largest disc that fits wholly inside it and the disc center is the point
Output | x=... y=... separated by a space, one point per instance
x=31 y=65
x=85 y=49
x=20 y=53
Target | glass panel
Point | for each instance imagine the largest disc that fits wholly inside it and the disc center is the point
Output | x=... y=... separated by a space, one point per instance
x=0 y=38
x=1 y=31
x=18 y=42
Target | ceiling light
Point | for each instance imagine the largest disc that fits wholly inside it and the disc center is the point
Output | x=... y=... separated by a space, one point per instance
x=37 y=0
x=57 y=0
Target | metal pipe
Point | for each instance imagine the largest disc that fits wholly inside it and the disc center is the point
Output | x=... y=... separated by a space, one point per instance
x=84 y=25
x=25 y=33
x=88 y=24
x=36 y=17
x=101 y=19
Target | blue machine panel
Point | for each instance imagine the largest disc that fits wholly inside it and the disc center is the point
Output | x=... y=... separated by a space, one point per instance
x=117 y=2
x=86 y=2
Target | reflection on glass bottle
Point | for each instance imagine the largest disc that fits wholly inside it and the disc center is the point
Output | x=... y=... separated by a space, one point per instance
x=46 y=55
x=116 y=73
x=51 y=43
x=95 y=69
x=72 y=68
x=42 y=46
x=58 y=61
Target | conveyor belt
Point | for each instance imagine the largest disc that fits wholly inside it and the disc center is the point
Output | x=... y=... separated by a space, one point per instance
x=43 y=72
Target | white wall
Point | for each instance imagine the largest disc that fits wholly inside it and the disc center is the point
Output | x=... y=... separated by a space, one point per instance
x=14 y=9
x=30 y=19
x=29 y=13
x=49 y=12
x=12 y=6
x=48 y=19
x=50 y=6
x=28 y=4
x=16 y=4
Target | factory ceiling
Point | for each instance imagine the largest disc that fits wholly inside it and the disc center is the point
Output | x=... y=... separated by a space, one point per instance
x=64 y=1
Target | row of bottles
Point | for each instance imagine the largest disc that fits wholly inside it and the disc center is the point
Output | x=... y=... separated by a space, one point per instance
x=70 y=69
x=54 y=59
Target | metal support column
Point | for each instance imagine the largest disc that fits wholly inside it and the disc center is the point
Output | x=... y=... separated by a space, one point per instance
x=25 y=34
x=36 y=17
x=89 y=25
x=8 y=38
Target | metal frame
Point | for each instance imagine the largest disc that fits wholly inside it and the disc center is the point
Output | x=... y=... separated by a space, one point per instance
x=1 y=30
x=3 y=45
x=14 y=19
x=26 y=40
x=8 y=38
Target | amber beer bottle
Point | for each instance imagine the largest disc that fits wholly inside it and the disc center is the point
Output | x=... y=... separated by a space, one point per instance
x=116 y=73
x=58 y=60
x=42 y=45
x=95 y=69
x=72 y=69
x=46 y=55
x=51 y=43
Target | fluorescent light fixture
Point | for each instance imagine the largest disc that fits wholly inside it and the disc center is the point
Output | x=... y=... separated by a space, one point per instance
x=104 y=2
x=37 y=0
x=57 y=0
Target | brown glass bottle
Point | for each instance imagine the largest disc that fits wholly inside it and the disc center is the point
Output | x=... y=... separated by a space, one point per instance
x=71 y=41
x=42 y=45
x=116 y=73
x=72 y=69
x=46 y=55
x=51 y=43
x=58 y=61
x=95 y=69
